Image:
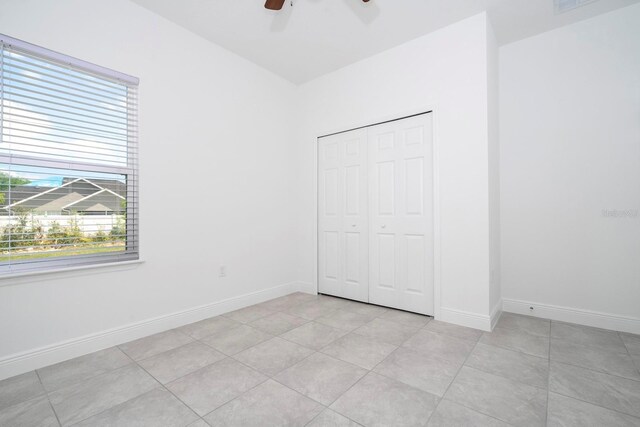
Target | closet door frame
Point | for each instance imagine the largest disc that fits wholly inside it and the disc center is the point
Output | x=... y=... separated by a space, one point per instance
x=437 y=275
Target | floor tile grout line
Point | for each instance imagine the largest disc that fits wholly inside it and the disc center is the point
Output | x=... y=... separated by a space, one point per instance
x=471 y=409
x=169 y=391
x=308 y=397
x=566 y=362
x=46 y=393
x=546 y=413
x=314 y=418
x=372 y=370
x=517 y=328
x=595 y=404
x=244 y=364
x=581 y=400
x=82 y=379
x=425 y=328
x=136 y=362
x=342 y=394
x=503 y=376
x=239 y=324
x=631 y=356
x=235 y=398
x=444 y=334
x=595 y=348
x=596 y=371
x=315 y=350
x=112 y=407
x=329 y=409
x=231 y=355
x=379 y=316
x=512 y=349
x=453 y=380
x=121 y=403
x=490 y=373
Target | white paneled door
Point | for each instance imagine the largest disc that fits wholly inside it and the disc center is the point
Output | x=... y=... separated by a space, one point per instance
x=375 y=214
x=342 y=215
x=401 y=214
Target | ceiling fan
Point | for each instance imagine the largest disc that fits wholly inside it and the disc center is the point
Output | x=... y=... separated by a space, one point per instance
x=277 y=4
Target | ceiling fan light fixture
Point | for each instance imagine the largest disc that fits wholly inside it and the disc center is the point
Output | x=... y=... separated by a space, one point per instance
x=274 y=4
x=277 y=4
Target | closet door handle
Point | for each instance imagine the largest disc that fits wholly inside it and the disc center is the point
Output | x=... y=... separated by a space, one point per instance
x=383 y=226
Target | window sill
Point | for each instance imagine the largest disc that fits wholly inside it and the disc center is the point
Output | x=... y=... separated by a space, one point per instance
x=18 y=278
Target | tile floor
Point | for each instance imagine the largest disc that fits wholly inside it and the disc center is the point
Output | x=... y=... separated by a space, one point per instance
x=321 y=361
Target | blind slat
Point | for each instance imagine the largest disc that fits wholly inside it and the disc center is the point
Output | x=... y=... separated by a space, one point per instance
x=68 y=161
x=53 y=122
x=29 y=80
x=53 y=81
x=9 y=124
x=43 y=97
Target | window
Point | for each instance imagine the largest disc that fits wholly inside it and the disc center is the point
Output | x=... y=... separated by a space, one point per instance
x=68 y=161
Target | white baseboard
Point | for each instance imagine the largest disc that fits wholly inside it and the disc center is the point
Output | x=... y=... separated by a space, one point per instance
x=19 y=363
x=306 y=287
x=573 y=315
x=465 y=318
x=496 y=312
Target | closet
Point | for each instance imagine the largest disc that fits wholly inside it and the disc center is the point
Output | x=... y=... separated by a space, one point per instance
x=375 y=214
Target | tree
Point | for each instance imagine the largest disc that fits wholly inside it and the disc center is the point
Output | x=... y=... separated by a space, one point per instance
x=7 y=181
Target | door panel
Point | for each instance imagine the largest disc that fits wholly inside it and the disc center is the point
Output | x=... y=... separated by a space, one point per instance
x=415 y=263
x=331 y=192
x=332 y=263
x=342 y=214
x=401 y=214
x=375 y=214
x=386 y=188
x=352 y=258
x=386 y=261
x=414 y=177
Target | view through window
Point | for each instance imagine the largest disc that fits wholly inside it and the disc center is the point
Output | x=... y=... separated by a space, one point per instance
x=68 y=162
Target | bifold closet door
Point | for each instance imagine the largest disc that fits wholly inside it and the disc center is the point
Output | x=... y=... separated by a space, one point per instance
x=342 y=215
x=401 y=214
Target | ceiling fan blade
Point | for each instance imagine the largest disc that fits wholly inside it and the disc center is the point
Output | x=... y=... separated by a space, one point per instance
x=274 y=4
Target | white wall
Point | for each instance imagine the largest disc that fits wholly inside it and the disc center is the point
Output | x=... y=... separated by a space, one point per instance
x=493 y=111
x=570 y=147
x=445 y=71
x=216 y=134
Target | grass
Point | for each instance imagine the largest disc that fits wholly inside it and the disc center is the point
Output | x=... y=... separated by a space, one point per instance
x=39 y=254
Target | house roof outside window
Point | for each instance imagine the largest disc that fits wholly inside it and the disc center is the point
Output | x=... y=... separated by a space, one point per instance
x=73 y=195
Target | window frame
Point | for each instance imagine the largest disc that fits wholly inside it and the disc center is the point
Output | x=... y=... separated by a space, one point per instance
x=131 y=250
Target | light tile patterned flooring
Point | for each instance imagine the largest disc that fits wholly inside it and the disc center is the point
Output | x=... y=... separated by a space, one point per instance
x=322 y=361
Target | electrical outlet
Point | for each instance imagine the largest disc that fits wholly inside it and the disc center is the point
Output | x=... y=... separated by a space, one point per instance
x=223 y=271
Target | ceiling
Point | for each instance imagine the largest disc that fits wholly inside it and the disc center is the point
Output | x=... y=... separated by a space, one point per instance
x=314 y=37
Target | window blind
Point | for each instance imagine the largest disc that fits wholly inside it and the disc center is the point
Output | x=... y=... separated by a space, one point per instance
x=68 y=161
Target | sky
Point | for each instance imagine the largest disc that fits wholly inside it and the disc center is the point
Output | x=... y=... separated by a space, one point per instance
x=56 y=114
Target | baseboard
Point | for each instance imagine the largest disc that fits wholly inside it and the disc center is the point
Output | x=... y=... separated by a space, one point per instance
x=465 y=318
x=19 y=363
x=306 y=287
x=573 y=315
x=496 y=312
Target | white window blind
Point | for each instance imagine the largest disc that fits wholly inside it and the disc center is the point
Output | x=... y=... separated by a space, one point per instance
x=68 y=161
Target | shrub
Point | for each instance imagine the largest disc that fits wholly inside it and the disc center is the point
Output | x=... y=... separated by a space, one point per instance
x=100 y=236
x=119 y=230
x=74 y=234
x=19 y=235
x=56 y=236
